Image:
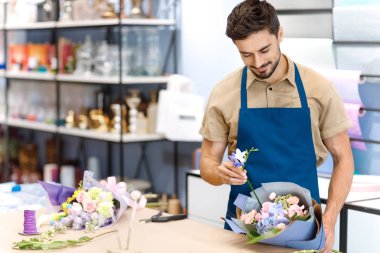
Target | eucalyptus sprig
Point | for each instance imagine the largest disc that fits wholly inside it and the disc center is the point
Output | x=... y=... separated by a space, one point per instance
x=45 y=241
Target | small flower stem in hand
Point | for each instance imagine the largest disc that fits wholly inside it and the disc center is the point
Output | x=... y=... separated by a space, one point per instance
x=249 y=183
x=239 y=159
x=257 y=198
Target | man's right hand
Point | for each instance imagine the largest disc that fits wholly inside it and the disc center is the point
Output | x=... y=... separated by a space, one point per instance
x=229 y=174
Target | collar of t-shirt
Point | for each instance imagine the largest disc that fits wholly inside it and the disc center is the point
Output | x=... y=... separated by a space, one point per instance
x=289 y=75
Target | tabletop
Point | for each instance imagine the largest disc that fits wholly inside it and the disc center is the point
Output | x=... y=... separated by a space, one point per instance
x=183 y=236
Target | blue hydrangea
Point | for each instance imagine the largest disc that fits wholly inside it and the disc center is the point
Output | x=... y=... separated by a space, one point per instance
x=276 y=216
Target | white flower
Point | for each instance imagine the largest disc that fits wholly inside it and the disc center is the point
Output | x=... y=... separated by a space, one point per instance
x=240 y=155
x=77 y=208
x=135 y=195
x=105 y=209
x=272 y=196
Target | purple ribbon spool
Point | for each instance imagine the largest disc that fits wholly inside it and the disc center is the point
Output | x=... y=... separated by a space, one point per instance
x=30 y=227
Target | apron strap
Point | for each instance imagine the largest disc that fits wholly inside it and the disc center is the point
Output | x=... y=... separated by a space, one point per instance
x=300 y=88
x=243 y=93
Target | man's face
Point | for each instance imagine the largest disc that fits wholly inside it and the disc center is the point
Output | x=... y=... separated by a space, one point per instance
x=260 y=52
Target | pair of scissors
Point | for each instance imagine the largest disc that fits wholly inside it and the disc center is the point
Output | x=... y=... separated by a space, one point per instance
x=159 y=218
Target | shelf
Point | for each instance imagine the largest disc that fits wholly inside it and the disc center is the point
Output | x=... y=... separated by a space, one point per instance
x=36 y=25
x=31 y=125
x=87 y=79
x=30 y=75
x=91 y=134
x=148 y=21
x=106 y=136
x=87 y=23
x=142 y=137
x=145 y=79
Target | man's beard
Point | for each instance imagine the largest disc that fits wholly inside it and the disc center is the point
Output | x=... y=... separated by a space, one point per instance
x=266 y=75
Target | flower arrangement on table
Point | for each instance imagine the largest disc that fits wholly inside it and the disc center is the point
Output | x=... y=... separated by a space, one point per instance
x=89 y=207
x=278 y=213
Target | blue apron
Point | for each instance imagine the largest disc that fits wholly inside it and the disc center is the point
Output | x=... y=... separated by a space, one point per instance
x=284 y=139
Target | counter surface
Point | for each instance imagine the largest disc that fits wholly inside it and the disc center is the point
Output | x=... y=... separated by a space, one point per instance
x=185 y=236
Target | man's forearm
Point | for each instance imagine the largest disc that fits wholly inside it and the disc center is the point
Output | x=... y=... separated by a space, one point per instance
x=208 y=167
x=339 y=187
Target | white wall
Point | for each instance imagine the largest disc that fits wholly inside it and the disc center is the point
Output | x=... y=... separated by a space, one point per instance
x=206 y=54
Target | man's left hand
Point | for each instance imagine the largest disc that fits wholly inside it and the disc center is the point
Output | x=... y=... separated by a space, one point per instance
x=329 y=226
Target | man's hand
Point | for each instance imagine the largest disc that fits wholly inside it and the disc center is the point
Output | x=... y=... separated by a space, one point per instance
x=216 y=172
x=329 y=226
x=229 y=174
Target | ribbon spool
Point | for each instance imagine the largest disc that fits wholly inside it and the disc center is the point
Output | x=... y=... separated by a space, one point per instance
x=30 y=227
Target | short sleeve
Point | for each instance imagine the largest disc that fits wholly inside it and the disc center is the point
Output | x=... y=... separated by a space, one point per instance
x=214 y=126
x=333 y=116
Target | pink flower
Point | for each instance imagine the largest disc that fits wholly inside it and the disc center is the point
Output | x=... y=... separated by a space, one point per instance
x=293 y=200
x=265 y=207
x=258 y=217
x=272 y=196
x=81 y=196
x=253 y=213
x=296 y=209
x=89 y=205
x=249 y=218
x=281 y=226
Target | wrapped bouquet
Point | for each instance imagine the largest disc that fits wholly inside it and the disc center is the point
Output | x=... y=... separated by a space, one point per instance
x=91 y=206
x=288 y=217
x=278 y=213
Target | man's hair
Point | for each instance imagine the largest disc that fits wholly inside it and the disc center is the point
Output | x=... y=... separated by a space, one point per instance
x=251 y=16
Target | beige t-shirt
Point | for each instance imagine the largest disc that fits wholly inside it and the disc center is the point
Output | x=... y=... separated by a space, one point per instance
x=328 y=116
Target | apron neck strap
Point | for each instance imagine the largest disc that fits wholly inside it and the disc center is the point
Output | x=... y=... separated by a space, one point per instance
x=300 y=88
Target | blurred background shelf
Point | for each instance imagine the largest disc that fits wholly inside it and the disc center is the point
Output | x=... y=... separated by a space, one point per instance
x=142 y=137
x=36 y=25
x=88 y=79
x=91 y=134
x=30 y=75
x=87 y=23
x=31 y=125
x=144 y=79
x=147 y=21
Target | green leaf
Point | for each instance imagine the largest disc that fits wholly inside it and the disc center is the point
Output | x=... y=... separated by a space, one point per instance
x=267 y=235
x=58 y=245
x=73 y=242
x=85 y=239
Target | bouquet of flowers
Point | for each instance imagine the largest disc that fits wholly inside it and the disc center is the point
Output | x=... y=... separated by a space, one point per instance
x=278 y=213
x=91 y=206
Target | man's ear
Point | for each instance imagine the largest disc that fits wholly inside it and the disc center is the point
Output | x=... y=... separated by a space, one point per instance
x=280 y=34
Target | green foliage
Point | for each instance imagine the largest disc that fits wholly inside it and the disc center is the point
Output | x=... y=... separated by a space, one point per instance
x=42 y=243
x=255 y=239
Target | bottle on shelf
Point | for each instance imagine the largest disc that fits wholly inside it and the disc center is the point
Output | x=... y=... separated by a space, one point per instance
x=84 y=57
x=133 y=100
x=141 y=123
x=152 y=112
x=152 y=59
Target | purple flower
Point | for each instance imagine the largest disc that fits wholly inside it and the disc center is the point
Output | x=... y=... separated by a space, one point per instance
x=238 y=158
